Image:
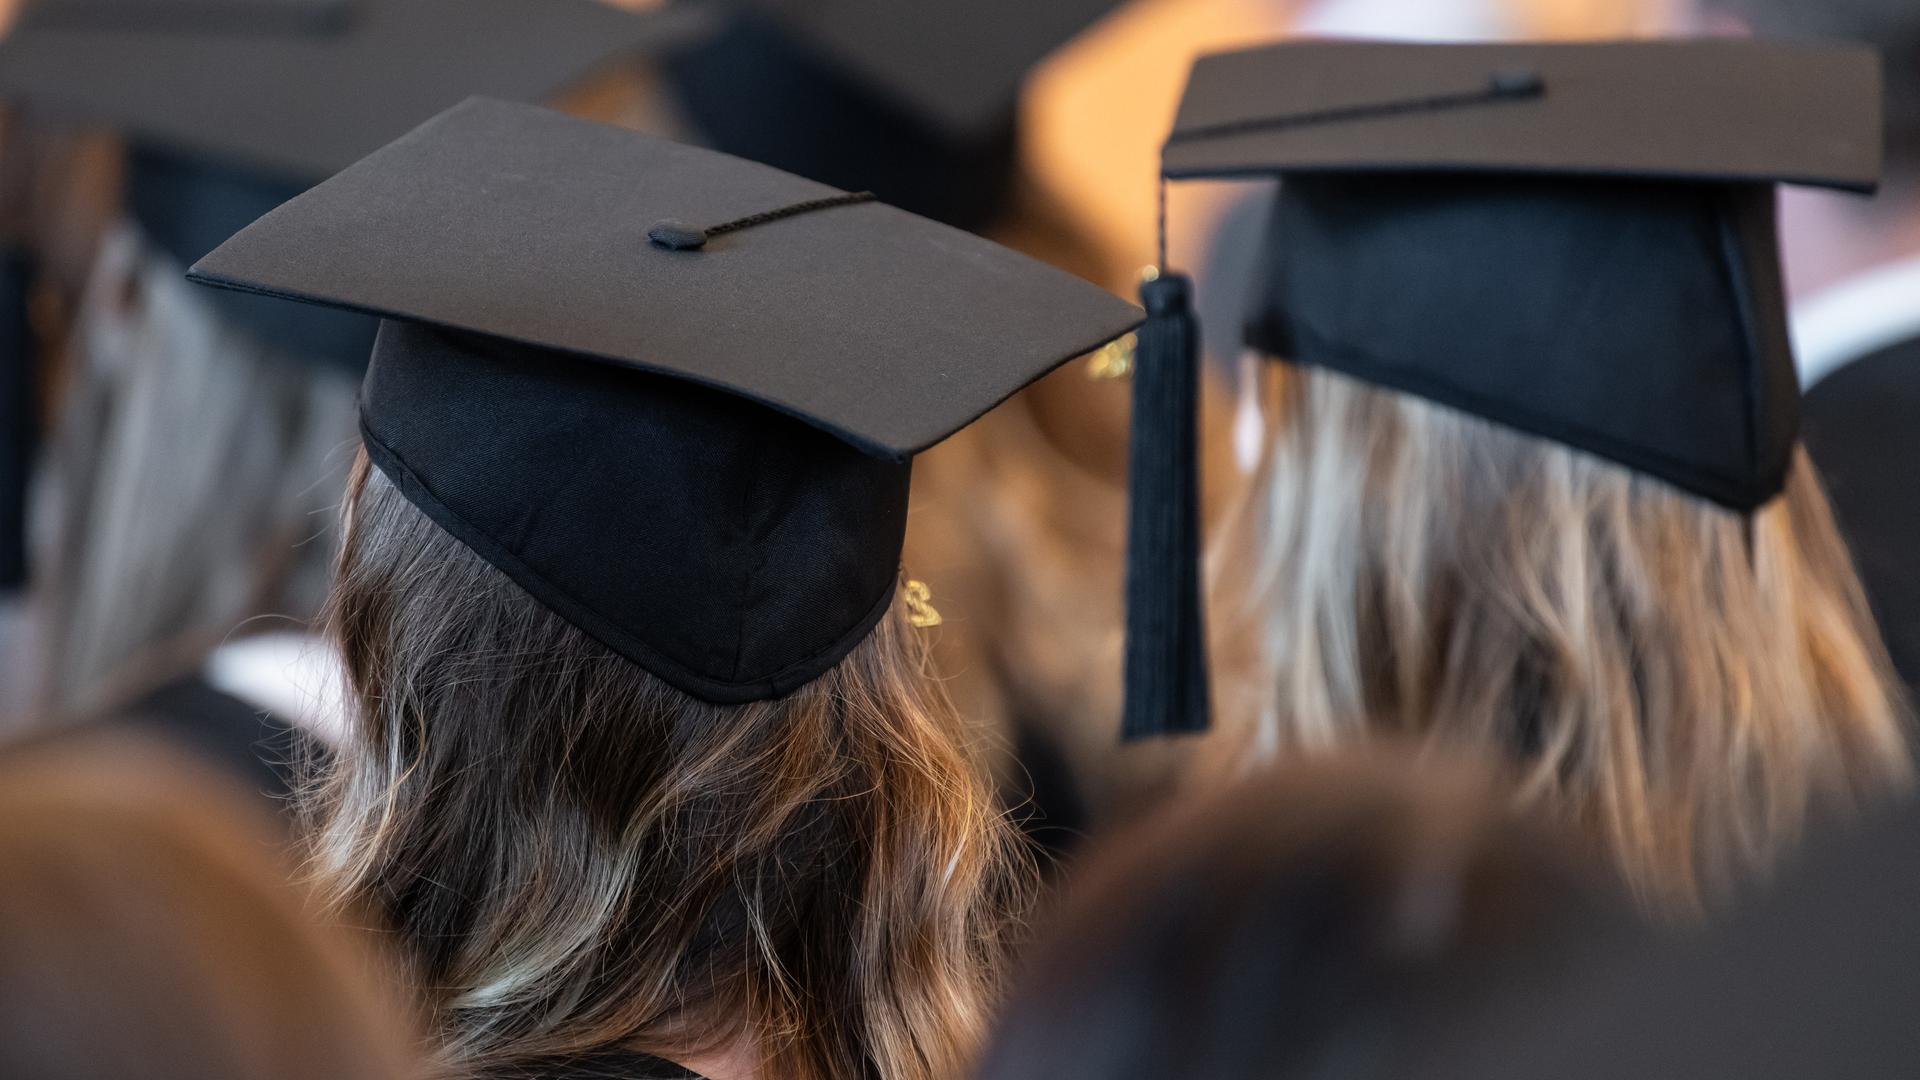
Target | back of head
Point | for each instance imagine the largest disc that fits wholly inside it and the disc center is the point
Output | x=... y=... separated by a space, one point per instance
x=1685 y=680
x=146 y=930
x=581 y=856
x=1314 y=922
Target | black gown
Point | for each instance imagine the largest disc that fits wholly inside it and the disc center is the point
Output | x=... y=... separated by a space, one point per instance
x=251 y=745
x=1817 y=975
x=1862 y=428
x=18 y=415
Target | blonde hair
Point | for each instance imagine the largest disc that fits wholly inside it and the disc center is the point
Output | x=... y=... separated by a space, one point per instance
x=579 y=856
x=147 y=929
x=1686 y=680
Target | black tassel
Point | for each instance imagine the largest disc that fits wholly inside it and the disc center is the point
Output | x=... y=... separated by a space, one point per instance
x=1166 y=675
x=18 y=415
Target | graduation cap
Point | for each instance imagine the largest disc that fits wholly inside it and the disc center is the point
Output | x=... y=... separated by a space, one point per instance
x=1573 y=241
x=231 y=107
x=916 y=101
x=673 y=394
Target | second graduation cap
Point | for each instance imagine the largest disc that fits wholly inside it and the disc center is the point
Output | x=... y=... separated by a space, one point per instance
x=1575 y=241
x=916 y=100
x=674 y=395
x=231 y=107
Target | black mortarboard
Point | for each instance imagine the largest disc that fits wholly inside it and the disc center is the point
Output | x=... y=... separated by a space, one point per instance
x=671 y=393
x=231 y=107
x=1577 y=241
x=914 y=101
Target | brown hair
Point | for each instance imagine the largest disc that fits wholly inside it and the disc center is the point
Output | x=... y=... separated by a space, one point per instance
x=580 y=856
x=1309 y=921
x=1684 y=679
x=146 y=929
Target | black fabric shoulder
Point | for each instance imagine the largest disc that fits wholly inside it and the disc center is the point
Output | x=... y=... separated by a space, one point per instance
x=252 y=745
x=1861 y=435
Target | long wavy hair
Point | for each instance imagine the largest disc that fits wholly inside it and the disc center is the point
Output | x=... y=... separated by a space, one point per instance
x=578 y=856
x=1687 y=681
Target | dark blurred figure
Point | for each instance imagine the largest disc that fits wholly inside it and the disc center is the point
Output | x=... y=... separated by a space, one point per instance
x=1855 y=269
x=1312 y=922
x=1818 y=977
x=147 y=931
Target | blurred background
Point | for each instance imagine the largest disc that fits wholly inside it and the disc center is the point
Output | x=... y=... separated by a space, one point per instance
x=171 y=466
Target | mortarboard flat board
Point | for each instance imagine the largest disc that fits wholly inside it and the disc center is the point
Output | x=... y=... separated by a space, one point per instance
x=1715 y=110
x=601 y=346
x=1574 y=241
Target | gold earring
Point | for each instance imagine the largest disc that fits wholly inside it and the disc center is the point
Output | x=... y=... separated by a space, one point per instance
x=920 y=609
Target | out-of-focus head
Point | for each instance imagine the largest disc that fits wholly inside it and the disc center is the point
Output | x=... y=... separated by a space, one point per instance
x=147 y=929
x=187 y=486
x=580 y=855
x=1534 y=485
x=1307 y=922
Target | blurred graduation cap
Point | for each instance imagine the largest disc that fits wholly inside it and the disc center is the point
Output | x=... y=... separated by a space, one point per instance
x=916 y=101
x=231 y=107
x=673 y=394
x=1574 y=241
